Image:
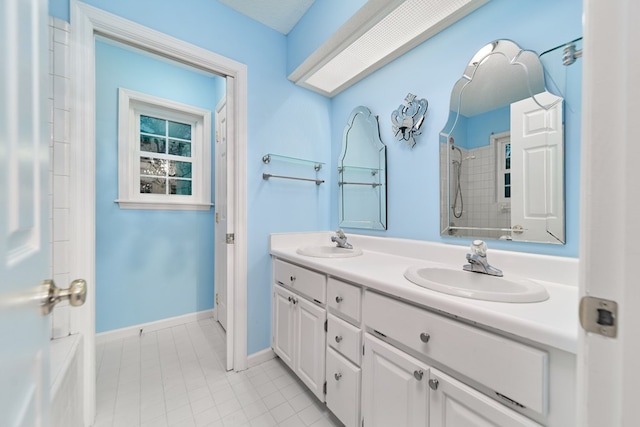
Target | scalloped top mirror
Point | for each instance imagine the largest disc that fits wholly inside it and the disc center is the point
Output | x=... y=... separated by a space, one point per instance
x=502 y=151
x=362 y=173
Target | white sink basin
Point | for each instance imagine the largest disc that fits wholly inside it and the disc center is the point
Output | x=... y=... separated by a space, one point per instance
x=476 y=285
x=329 y=252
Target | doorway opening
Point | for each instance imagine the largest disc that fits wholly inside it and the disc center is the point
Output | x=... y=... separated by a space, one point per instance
x=87 y=23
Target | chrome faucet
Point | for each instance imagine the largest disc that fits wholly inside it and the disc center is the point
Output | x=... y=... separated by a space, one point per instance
x=478 y=260
x=341 y=239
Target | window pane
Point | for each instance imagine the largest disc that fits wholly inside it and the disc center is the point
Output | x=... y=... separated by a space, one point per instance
x=180 y=148
x=507 y=156
x=507 y=192
x=180 y=169
x=152 y=144
x=151 y=166
x=153 y=185
x=153 y=125
x=180 y=186
x=179 y=130
x=507 y=179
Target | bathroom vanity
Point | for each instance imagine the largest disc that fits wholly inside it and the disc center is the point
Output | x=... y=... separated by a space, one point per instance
x=381 y=350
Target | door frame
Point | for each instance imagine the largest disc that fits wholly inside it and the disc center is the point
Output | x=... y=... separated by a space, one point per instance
x=86 y=22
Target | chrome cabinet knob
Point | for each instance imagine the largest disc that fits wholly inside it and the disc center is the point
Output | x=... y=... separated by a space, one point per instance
x=339 y=299
x=292 y=278
x=338 y=338
x=337 y=376
x=76 y=294
x=290 y=299
x=295 y=300
x=425 y=337
x=434 y=383
x=418 y=374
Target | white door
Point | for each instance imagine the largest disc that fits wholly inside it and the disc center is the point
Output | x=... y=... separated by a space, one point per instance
x=283 y=322
x=453 y=404
x=221 y=213
x=24 y=213
x=310 y=343
x=395 y=389
x=608 y=368
x=537 y=158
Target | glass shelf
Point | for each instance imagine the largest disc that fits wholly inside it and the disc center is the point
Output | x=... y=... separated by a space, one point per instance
x=268 y=157
x=373 y=171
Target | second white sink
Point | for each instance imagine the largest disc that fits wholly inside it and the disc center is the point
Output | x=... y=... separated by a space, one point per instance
x=477 y=286
x=329 y=252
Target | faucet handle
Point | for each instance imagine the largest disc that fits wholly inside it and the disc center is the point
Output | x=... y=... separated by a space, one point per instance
x=479 y=247
x=340 y=233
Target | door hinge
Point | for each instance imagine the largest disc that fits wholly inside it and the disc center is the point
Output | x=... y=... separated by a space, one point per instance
x=231 y=238
x=363 y=349
x=217 y=299
x=326 y=326
x=599 y=316
x=324 y=388
x=217 y=217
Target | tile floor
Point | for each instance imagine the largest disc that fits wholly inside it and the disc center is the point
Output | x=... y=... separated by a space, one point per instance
x=175 y=377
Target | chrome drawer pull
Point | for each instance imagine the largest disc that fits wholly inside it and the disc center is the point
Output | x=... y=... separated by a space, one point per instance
x=339 y=299
x=337 y=376
x=425 y=337
x=338 y=338
x=418 y=374
x=434 y=384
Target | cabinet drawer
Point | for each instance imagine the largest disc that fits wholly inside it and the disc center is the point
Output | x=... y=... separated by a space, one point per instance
x=345 y=338
x=306 y=282
x=343 y=389
x=344 y=299
x=515 y=371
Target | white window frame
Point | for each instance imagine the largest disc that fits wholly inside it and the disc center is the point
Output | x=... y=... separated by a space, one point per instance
x=131 y=105
x=499 y=140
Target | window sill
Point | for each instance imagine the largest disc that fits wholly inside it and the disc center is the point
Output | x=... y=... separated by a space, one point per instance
x=174 y=206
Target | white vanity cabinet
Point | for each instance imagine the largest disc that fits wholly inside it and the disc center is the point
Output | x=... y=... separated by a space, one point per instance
x=380 y=360
x=299 y=335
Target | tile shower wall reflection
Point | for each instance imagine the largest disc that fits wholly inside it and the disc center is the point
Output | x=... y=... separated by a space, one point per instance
x=59 y=84
x=479 y=187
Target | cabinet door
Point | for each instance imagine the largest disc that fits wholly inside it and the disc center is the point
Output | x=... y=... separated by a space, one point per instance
x=283 y=324
x=454 y=404
x=310 y=345
x=395 y=389
x=343 y=388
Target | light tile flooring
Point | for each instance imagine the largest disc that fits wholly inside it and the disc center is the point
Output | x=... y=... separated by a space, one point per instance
x=176 y=377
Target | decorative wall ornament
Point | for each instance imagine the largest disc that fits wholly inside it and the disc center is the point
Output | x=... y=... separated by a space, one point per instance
x=408 y=118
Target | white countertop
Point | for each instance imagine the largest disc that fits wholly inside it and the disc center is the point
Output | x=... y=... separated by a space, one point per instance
x=553 y=322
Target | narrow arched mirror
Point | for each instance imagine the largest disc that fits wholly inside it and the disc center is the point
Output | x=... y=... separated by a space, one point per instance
x=362 y=173
x=501 y=151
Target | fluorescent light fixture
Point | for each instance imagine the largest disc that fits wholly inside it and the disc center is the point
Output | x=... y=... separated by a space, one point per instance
x=378 y=33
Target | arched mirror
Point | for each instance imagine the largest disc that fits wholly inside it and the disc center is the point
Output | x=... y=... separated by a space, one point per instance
x=362 y=173
x=501 y=151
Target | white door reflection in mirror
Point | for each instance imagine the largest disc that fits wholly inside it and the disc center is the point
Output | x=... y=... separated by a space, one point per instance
x=537 y=195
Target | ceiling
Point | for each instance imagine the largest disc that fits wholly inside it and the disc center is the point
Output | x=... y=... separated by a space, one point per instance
x=281 y=15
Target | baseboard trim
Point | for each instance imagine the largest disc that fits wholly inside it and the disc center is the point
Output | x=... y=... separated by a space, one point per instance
x=260 y=357
x=130 y=331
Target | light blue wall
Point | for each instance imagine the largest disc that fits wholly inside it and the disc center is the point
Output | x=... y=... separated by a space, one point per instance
x=317 y=25
x=480 y=127
x=162 y=261
x=430 y=71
